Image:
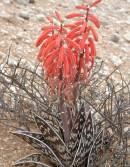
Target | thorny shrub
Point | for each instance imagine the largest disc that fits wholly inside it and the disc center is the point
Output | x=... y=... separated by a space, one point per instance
x=67 y=50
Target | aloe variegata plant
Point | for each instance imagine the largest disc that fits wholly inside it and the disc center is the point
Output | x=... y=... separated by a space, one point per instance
x=67 y=54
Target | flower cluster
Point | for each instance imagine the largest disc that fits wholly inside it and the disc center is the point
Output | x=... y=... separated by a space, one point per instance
x=67 y=49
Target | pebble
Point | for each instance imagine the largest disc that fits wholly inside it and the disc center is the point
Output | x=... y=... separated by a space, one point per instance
x=115 y=38
x=104 y=23
x=4 y=32
x=32 y=1
x=12 y=62
x=40 y=17
x=24 y=15
x=105 y=71
x=115 y=59
x=7 y=1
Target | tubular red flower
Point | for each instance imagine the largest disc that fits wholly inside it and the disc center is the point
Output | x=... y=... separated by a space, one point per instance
x=95 y=35
x=84 y=38
x=94 y=3
x=49 y=48
x=84 y=27
x=50 y=19
x=73 y=32
x=92 y=47
x=94 y=19
x=83 y=7
x=75 y=24
x=73 y=44
x=73 y=15
x=87 y=54
x=59 y=17
x=50 y=59
x=43 y=36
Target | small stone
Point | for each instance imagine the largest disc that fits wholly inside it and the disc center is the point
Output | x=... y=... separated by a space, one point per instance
x=104 y=23
x=32 y=1
x=24 y=15
x=115 y=38
x=105 y=71
x=115 y=60
x=22 y=2
x=4 y=32
x=126 y=129
x=127 y=36
x=12 y=62
x=7 y=1
x=40 y=17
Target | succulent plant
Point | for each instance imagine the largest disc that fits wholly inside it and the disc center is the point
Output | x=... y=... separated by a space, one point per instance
x=84 y=148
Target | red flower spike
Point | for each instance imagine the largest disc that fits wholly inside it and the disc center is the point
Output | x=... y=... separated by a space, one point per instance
x=62 y=46
x=94 y=19
x=59 y=17
x=73 y=15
